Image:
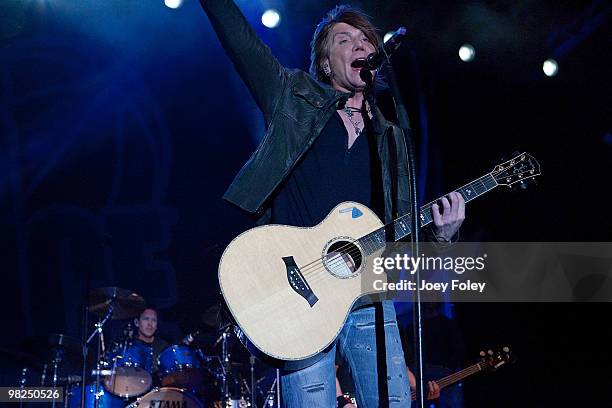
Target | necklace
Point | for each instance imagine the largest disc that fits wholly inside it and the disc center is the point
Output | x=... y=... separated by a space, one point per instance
x=350 y=111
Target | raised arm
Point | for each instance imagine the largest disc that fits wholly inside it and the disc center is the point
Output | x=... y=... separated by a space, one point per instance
x=259 y=69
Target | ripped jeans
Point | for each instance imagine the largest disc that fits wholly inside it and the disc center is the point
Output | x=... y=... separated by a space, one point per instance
x=361 y=336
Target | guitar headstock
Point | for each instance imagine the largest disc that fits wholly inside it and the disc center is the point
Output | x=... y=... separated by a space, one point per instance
x=518 y=170
x=492 y=360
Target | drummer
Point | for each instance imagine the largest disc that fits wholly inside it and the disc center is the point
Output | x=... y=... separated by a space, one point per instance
x=146 y=324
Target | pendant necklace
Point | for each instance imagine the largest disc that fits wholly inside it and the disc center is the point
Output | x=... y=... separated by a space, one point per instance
x=349 y=113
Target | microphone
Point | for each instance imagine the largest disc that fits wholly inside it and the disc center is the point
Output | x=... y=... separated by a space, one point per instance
x=376 y=59
x=71 y=379
x=128 y=331
x=102 y=372
x=222 y=335
x=190 y=338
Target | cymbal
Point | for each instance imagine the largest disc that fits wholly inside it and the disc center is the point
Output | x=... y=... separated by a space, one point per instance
x=125 y=303
x=62 y=340
x=216 y=316
x=52 y=346
x=17 y=357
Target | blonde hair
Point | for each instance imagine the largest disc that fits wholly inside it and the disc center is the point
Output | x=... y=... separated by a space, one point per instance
x=319 y=46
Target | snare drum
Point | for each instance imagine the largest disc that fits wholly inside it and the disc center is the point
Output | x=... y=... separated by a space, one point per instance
x=132 y=364
x=167 y=397
x=180 y=366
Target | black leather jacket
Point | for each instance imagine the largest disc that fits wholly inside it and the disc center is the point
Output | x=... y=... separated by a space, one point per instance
x=296 y=107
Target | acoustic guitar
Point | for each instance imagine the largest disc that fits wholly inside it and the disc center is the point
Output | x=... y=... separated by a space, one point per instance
x=290 y=289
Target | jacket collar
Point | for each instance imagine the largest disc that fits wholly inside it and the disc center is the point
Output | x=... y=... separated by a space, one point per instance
x=317 y=93
x=320 y=95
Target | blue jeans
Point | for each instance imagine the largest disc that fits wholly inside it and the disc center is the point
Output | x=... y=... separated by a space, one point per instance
x=380 y=379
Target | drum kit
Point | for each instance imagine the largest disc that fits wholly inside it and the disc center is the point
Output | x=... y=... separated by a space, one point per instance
x=207 y=369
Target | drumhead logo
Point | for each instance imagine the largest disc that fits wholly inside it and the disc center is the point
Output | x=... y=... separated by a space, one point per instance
x=168 y=404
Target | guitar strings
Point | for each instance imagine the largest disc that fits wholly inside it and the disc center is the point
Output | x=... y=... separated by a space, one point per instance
x=317 y=268
x=452 y=378
x=313 y=268
x=482 y=181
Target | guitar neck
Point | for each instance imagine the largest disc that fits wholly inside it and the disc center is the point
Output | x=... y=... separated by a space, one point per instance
x=455 y=377
x=469 y=192
x=401 y=226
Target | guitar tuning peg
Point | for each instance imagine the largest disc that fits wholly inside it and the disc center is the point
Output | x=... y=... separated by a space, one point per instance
x=490 y=352
x=510 y=155
x=482 y=353
x=506 y=349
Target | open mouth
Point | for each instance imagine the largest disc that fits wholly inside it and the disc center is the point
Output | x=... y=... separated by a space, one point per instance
x=358 y=63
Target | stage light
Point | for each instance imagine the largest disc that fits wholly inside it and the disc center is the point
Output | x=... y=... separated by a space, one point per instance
x=387 y=36
x=467 y=53
x=270 y=18
x=173 y=4
x=550 y=67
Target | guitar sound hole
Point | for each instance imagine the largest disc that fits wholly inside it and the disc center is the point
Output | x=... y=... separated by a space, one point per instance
x=343 y=259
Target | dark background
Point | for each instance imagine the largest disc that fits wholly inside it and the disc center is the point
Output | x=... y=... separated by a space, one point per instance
x=122 y=123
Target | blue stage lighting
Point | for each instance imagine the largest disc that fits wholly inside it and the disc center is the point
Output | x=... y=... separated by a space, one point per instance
x=467 y=53
x=550 y=67
x=173 y=4
x=270 y=18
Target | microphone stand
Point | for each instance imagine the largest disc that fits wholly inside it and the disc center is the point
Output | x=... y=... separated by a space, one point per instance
x=98 y=331
x=253 y=394
x=415 y=225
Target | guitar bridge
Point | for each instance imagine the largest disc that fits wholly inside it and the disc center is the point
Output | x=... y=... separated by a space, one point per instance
x=297 y=282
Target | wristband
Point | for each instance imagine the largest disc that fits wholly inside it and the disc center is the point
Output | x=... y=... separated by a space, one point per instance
x=341 y=401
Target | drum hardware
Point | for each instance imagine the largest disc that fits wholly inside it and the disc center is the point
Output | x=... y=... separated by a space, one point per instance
x=223 y=377
x=71 y=379
x=47 y=357
x=23 y=381
x=226 y=365
x=107 y=303
x=271 y=394
x=95 y=396
x=43 y=376
x=252 y=391
x=98 y=330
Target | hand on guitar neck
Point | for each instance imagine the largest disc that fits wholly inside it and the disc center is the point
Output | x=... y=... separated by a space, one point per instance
x=490 y=361
x=433 y=389
x=448 y=215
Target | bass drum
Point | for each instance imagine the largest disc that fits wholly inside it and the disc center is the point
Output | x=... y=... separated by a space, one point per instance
x=105 y=398
x=167 y=397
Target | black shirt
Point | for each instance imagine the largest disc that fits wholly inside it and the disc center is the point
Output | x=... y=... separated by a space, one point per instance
x=328 y=174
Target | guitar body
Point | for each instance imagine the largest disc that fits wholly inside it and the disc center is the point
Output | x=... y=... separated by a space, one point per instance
x=290 y=289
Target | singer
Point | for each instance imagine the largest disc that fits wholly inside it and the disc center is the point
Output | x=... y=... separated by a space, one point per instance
x=327 y=142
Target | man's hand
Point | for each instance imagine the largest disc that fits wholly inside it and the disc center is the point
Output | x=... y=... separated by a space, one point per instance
x=449 y=219
x=434 y=390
